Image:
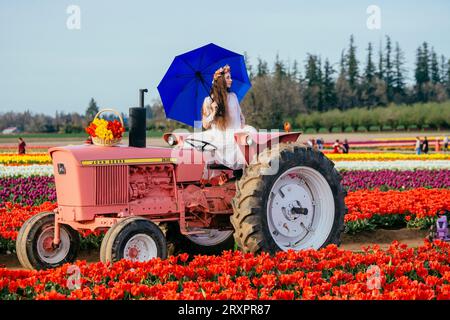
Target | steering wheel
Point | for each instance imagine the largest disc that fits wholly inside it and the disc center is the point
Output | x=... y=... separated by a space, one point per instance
x=202 y=146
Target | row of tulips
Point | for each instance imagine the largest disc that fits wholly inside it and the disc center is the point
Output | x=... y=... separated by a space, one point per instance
x=26 y=170
x=27 y=191
x=47 y=169
x=35 y=190
x=396 y=273
x=391 y=179
x=367 y=209
x=24 y=159
x=29 y=149
x=398 y=165
x=43 y=158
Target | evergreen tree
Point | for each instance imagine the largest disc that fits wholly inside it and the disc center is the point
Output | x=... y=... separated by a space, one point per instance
x=369 y=72
x=426 y=62
x=369 y=84
x=313 y=80
x=352 y=65
x=92 y=110
x=399 y=75
x=279 y=69
x=380 y=73
x=343 y=90
x=262 y=68
x=352 y=73
x=295 y=74
x=434 y=66
x=329 y=91
x=422 y=75
x=389 y=70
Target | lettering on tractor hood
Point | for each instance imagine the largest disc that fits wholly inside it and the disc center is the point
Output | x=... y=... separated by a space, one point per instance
x=127 y=161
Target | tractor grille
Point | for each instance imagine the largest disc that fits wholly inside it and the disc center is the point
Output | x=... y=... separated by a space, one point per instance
x=111 y=185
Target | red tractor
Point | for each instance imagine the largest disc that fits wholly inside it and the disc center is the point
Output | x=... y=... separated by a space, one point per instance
x=287 y=196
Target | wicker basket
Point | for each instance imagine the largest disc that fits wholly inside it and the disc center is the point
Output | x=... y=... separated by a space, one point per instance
x=107 y=143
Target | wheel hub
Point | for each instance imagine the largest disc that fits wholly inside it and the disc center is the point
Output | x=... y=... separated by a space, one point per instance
x=293 y=202
x=133 y=253
x=140 y=247
x=48 y=244
x=47 y=250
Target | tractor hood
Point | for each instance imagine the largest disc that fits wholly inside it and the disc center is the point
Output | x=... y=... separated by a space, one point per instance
x=92 y=155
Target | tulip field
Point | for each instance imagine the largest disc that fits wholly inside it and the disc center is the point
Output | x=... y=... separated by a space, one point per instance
x=384 y=190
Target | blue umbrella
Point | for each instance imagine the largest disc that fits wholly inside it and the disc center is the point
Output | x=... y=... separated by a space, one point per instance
x=189 y=78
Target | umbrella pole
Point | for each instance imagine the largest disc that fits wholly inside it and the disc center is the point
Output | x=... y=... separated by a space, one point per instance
x=202 y=80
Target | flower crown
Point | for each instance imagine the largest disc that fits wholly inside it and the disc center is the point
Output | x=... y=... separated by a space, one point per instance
x=221 y=71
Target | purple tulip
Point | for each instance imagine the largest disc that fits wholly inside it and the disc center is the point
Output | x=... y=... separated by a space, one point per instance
x=394 y=179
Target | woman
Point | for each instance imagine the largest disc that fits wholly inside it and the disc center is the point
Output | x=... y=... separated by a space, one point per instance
x=222 y=117
x=22 y=145
x=221 y=110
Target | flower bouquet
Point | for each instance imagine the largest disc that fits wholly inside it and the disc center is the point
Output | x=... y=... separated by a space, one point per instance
x=106 y=133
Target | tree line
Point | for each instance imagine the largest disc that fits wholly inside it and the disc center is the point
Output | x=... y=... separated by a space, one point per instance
x=283 y=93
x=431 y=115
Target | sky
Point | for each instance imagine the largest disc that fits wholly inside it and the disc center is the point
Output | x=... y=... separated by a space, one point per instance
x=53 y=58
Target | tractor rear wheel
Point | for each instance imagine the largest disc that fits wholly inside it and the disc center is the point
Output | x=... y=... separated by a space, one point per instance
x=34 y=244
x=134 y=239
x=299 y=205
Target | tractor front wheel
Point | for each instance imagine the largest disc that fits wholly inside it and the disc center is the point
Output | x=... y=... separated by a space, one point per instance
x=34 y=244
x=134 y=239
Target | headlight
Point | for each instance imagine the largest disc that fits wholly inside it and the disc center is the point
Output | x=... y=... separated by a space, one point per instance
x=249 y=140
x=171 y=140
x=61 y=168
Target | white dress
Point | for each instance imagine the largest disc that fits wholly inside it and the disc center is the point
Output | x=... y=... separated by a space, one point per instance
x=227 y=152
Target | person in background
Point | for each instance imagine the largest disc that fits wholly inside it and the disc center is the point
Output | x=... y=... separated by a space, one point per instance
x=445 y=143
x=418 y=145
x=319 y=144
x=22 y=146
x=425 y=145
x=336 y=146
x=314 y=144
x=287 y=127
x=346 y=146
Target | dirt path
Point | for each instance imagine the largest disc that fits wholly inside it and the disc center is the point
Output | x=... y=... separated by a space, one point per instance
x=413 y=238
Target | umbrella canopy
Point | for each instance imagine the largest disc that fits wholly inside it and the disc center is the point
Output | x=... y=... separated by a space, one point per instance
x=189 y=79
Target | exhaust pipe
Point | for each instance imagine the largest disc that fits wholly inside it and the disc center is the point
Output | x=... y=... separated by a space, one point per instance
x=138 y=118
